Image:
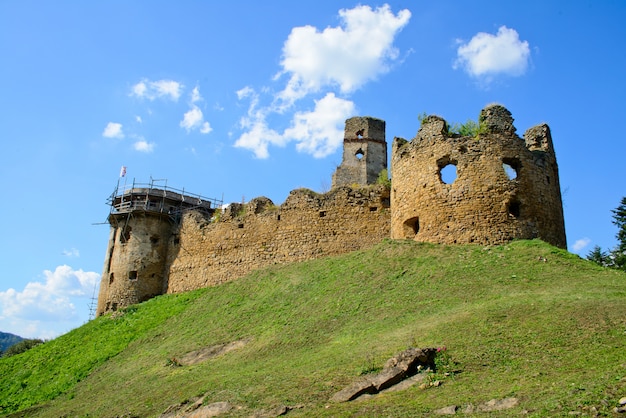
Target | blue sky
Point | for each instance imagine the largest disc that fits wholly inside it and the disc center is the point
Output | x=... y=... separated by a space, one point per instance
x=241 y=99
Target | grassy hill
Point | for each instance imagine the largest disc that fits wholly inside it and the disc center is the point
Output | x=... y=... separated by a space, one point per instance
x=523 y=320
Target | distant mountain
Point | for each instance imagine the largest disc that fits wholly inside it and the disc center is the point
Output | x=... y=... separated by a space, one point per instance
x=7 y=340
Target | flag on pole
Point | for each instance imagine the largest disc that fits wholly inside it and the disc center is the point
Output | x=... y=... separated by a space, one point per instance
x=123 y=171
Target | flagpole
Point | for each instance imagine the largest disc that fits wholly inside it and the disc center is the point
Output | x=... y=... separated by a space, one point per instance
x=122 y=174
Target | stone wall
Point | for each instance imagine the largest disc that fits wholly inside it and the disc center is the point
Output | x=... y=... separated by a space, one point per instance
x=364 y=152
x=134 y=265
x=206 y=252
x=505 y=188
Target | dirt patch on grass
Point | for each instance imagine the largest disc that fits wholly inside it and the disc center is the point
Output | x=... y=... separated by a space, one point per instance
x=207 y=353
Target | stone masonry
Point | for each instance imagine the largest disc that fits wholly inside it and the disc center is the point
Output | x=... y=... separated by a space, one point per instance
x=364 y=152
x=258 y=234
x=503 y=188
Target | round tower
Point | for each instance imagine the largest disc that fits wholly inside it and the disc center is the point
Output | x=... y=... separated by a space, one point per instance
x=487 y=189
x=141 y=241
x=364 y=152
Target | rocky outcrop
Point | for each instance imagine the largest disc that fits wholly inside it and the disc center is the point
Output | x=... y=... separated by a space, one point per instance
x=396 y=369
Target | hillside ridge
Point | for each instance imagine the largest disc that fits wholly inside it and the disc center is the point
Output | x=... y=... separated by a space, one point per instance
x=524 y=320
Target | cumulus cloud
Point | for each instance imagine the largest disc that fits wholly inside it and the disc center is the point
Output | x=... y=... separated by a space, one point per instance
x=320 y=132
x=194 y=118
x=580 y=244
x=151 y=90
x=258 y=135
x=144 y=146
x=205 y=128
x=50 y=300
x=113 y=130
x=195 y=95
x=336 y=60
x=347 y=56
x=487 y=55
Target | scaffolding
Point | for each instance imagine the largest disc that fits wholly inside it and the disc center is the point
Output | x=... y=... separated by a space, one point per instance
x=158 y=198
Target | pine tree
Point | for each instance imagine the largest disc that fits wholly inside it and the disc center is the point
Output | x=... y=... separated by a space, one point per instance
x=615 y=258
x=618 y=254
x=598 y=256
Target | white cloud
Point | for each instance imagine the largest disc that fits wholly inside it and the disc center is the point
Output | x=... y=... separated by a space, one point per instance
x=317 y=62
x=152 y=90
x=144 y=146
x=138 y=119
x=347 y=56
x=580 y=244
x=205 y=128
x=194 y=119
x=258 y=137
x=113 y=130
x=195 y=95
x=320 y=132
x=71 y=253
x=51 y=300
x=486 y=55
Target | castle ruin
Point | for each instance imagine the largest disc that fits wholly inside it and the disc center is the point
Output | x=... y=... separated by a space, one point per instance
x=505 y=188
x=164 y=240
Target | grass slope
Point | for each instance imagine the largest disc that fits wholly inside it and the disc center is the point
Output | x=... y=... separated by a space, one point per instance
x=524 y=320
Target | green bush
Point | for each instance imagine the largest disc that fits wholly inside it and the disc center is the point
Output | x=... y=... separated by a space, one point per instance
x=21 y=347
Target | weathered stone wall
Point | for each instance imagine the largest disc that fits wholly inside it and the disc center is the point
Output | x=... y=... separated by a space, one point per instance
x=364 y=152
x=134 y=266
x=247 y=237
x=151 y=253
x=483 y=204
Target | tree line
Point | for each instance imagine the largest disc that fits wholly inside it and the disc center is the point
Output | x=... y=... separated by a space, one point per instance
x=616 y=257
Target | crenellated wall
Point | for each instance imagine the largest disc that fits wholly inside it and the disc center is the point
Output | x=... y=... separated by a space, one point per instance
x=247 y=237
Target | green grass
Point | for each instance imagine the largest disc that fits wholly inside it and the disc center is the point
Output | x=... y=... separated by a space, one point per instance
x=524 y=320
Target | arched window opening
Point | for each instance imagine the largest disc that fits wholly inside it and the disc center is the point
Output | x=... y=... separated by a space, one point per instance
x=411 y=227
x=511 y=167
x=514 y=208
x=359 y=154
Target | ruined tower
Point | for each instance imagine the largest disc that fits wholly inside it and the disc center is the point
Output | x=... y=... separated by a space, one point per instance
x=141 y=241
x=502 y=187
x=364 y=152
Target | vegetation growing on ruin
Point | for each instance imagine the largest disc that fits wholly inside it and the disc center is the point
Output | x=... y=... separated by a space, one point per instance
x=383 y=178
x=469 y=128
x=524 y=320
